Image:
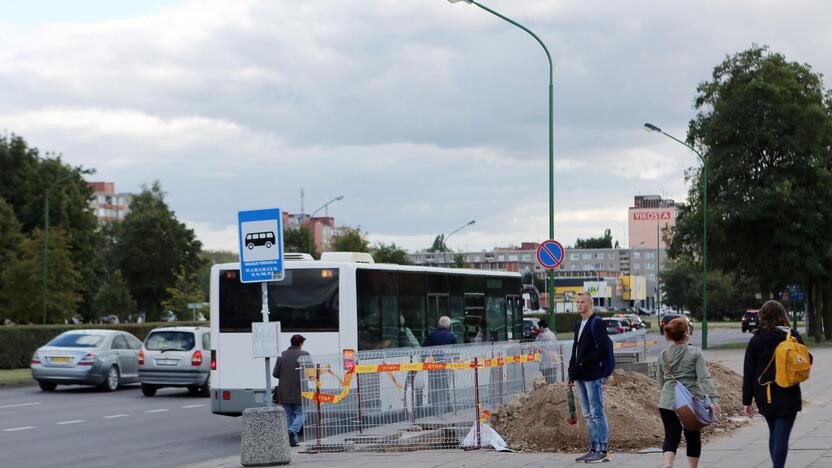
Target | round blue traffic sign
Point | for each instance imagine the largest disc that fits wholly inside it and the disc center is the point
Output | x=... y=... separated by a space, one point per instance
x=550 y=254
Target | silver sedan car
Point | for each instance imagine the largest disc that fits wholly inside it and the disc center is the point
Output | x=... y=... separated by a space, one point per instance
x=106 y=358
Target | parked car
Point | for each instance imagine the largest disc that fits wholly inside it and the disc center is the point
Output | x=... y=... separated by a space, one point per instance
x=106 y=358
x=749 y=320
x=636 y=323
x=614 y=326
x=176 y=357
x=530 y=328
x=668 y=317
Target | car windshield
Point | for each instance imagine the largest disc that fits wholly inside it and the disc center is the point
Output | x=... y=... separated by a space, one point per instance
x=170 y=341
x=77 y=340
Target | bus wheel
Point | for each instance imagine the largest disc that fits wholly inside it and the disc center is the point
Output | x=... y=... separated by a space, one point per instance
x=250 y=246
x=268 y=245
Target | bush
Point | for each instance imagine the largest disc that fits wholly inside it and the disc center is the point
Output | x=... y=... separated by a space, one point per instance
x=565 y=322
x=18 y=343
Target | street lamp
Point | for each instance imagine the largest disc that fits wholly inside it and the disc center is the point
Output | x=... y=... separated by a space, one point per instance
x=326 y=205
x=550 y=274
x=46 y=236
x=652 y=128
x=445 y=239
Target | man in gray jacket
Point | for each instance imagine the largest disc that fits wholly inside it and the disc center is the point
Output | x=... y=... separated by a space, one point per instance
x=288 y=386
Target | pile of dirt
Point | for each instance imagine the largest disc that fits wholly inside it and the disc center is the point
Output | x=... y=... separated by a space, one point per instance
x=537 y=421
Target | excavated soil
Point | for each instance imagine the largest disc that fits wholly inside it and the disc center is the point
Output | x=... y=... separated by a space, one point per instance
x=536 y=422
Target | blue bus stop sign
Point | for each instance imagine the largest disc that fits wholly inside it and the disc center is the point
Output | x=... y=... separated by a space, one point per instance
x=550 y=254
x=261 y=245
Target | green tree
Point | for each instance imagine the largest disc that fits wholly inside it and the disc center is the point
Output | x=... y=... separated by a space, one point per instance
x=727 y=292
x=297 y=241
x=351 y=240
x=10 y=240
x=210 y=258
x=764 y=125
x=186 y=291
x=438 y=244
x=459 y=261
x=22 y=280
x=389 y=253
x=113 y=298
x=152 y=247
x=603 y=242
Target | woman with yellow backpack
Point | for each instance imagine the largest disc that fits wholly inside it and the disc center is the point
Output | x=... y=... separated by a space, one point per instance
x=776 y=361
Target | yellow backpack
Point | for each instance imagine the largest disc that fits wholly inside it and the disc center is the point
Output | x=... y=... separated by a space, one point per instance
x=792 y=364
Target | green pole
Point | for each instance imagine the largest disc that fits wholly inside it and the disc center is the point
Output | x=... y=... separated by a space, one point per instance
x=550 y=273
x=46 y=254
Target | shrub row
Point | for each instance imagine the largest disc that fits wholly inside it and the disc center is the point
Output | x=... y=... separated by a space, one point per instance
x=19 y=342
x=565 y=321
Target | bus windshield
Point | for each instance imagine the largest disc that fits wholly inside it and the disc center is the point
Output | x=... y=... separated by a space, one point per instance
x=305 y=301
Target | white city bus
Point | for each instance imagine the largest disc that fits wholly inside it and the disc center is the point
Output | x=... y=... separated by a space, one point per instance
x=346 y=302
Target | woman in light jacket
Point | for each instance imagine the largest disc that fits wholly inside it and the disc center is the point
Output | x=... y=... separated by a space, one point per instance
x=688 y=366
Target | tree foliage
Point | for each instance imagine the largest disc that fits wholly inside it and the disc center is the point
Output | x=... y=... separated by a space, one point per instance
x=389 y=253
x=209 y=258
x=351 y=240
x=438 y=244
x=113 y=298
x=298 y=241
x=22 y=280
x=603 y=242
x=728 y=293
x=152 y=247
x=185 y=291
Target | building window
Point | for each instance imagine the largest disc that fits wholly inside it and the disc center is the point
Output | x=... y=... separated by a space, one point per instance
x=526 y=258
x=651 y=276
x=612 y=266
x=599 y=255
x=649 y=266
x=574 y=256
x=611 y=255
x=513 y=258
x=586 y=256
x=599 y=266
x=636 y=266
x=575 y=266
x=501 y=258
x=587 y=266
x=636 y=254
x=649 y=254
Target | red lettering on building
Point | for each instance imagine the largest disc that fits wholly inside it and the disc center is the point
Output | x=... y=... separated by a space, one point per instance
x=651 y=215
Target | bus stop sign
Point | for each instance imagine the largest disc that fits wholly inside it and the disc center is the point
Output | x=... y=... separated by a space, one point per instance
x=261 y=245
x=550 y=254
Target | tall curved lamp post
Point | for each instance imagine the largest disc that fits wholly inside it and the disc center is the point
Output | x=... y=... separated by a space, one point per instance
x=652 y=128
x=550 y=274
x=445 y=239
x=325 y=205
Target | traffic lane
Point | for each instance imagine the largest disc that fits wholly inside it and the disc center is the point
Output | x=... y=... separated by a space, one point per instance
x=83 y=428
x=716 y=337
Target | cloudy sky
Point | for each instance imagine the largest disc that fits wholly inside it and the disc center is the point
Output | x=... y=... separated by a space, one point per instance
x=422 y=114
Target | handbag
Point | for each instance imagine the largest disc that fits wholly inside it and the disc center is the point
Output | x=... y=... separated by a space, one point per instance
x=694 y=413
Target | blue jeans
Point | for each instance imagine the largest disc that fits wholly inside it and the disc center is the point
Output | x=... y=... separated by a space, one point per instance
x=591 y=396
x=779 y=430
x=294 y=417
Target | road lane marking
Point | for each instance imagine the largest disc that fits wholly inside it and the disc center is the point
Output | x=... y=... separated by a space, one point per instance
x=113 y=416
x=15 y=429
x=160 y=410
x=74 y=421
x=19 y=405
x=194 y=406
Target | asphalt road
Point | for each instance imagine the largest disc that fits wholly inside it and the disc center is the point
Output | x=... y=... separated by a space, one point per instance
x=81 y=427
x=716 y=337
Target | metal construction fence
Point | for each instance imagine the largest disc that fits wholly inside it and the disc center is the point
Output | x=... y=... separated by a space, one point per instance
x=419 y=398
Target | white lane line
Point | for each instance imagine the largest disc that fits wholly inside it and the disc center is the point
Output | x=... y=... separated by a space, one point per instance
x=113 y=416
x=193 y=406
x=160 y=410
x=20 y=405
x=15 y=429
x=74 y=421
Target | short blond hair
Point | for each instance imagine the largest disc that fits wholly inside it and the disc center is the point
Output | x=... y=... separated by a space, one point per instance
x=585 y=293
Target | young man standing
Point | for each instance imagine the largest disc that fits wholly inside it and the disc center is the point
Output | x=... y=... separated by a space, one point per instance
x=587 y=373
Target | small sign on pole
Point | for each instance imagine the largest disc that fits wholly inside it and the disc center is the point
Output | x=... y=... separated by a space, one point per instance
x=550 y=254
x=266 y=339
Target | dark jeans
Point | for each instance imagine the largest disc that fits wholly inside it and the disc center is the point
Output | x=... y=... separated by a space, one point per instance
x=779 y=430
x=673 y=435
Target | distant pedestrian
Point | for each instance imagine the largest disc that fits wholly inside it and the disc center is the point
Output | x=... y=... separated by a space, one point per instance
x=439 y=380
x=286 y=369
x=586 y=369
x=781 y=409
x=546 y=344
x=683 y=363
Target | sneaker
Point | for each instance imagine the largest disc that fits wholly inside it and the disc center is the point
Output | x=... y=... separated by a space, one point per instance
x=293 y=439
x=583 y=457
x=598 y=457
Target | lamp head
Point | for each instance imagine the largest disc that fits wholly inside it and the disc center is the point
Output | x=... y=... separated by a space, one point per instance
x=471 y=222
x=648 y=127
x=457 y=1
x=339 y=197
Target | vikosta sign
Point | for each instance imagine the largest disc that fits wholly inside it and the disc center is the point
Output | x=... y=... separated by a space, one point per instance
x=652 y=215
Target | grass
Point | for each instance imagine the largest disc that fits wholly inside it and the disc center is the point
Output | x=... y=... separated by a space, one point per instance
x=15 y=377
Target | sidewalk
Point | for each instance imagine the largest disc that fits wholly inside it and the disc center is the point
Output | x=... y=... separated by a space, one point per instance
x=811 y=440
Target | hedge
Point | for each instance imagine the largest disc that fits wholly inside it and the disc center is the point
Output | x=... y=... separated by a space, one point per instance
x=565 y=321
x=19 y=342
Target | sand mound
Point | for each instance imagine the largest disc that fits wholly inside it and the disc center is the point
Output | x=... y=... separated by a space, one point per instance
x=537 y=421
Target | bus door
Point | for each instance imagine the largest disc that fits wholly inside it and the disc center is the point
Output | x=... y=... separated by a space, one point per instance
x=514 y=316
x=438 y=305
x=474 y=318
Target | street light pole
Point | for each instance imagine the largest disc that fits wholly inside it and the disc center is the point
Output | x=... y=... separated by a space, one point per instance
x=652 y=128
x=309 y=228
x=445 y=240
x=550 y=274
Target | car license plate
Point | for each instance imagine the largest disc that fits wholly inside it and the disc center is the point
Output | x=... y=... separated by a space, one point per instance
x=60 y=359
x=167 y=362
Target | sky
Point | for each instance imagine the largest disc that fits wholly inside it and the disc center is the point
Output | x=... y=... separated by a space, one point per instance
x=423 y=114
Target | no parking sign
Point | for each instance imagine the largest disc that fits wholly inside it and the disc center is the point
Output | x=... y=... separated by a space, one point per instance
x=550 y=254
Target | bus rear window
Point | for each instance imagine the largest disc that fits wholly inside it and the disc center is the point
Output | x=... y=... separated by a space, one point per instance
x=305 y=301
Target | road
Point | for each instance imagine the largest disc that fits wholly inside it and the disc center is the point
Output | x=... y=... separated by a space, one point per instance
x=716 y=337
x=81 y=427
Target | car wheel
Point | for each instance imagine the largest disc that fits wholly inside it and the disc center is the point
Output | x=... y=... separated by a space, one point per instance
x=205 y=389
x=148 y=390
x=47 y=386
x=193 y=389
x=111 y=382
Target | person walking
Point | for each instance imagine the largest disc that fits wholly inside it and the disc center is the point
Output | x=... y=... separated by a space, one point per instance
x=546 y=344
x=587 y=373
x=781 y=410
x=439 y=380
x=683 y=363
x=288 y=386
